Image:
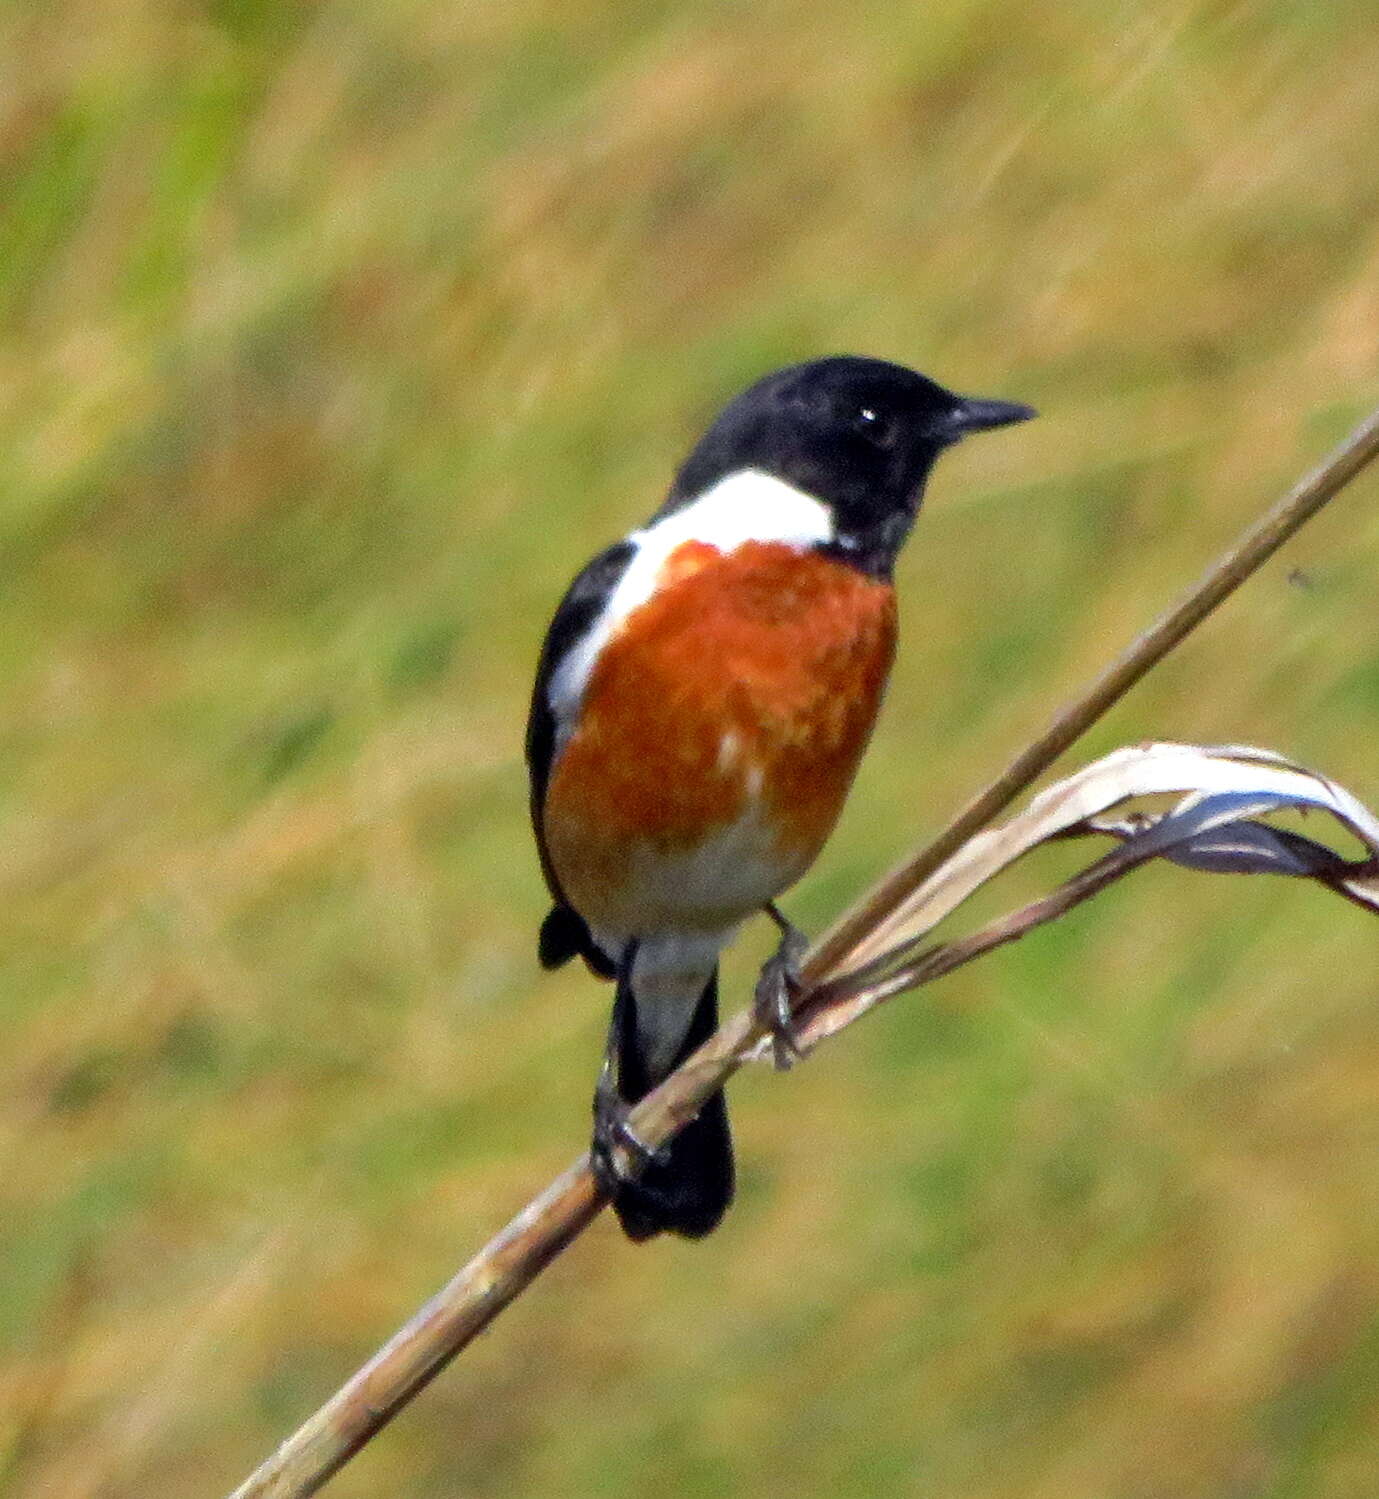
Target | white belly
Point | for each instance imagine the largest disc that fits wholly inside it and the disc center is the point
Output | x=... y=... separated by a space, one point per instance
x=709 y=888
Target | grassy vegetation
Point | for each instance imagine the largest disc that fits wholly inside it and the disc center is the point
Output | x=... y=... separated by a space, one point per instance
x=333 y=335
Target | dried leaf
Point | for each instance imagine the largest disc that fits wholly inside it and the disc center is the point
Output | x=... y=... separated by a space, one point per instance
x=1266 y=782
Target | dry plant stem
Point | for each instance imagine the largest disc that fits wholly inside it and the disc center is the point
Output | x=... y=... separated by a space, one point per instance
x=464 y=1307
x=459 y=1312
x=528 y=1244
x=417 y=1352
x=840 y=943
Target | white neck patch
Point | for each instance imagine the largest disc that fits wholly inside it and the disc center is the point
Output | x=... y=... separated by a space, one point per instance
x=744 y=506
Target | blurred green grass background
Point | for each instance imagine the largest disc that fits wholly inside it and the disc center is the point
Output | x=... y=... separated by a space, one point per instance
x=334 y=335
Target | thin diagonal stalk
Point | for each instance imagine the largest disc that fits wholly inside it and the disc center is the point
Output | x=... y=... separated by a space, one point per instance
x=509 y=1263
x=450 y=1320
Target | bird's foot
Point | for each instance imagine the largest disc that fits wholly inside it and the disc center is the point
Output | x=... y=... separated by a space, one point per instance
x=614 y=1135
x=777 y=989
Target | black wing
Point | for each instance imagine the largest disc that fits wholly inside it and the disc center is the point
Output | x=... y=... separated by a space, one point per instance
x=564 y=933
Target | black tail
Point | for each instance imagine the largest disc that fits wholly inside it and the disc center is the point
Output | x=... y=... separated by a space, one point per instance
x=690 y=1190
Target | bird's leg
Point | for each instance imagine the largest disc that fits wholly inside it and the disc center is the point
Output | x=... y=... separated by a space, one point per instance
x=779 y=986
x=612 y=1133
x=611 y=1129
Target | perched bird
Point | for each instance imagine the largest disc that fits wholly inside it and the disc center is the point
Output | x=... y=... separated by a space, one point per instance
x=703 y=697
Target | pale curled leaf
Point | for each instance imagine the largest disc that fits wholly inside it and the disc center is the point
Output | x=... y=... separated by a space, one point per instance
x=1134 y=771
x=1239 y=848
x=1209 y=829
x=1258 y=848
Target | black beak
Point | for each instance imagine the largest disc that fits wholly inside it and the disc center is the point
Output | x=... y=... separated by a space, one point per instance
x=972 y=415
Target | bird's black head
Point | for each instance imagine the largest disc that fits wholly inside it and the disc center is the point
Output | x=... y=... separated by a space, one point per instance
x=858 y=434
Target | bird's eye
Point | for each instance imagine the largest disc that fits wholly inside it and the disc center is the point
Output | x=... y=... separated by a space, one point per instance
x=872 y=424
